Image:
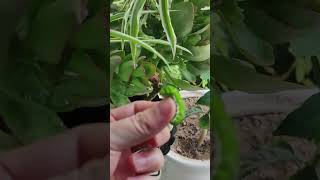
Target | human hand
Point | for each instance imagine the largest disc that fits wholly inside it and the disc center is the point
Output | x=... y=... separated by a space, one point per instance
x=140 y=124
x=75 y=155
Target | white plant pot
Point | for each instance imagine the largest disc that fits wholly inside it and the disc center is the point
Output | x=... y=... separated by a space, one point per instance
x=178 y=167
x=238 y=104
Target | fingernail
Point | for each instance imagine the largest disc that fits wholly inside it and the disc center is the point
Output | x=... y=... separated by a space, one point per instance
x=141 y=161
x=167 y=109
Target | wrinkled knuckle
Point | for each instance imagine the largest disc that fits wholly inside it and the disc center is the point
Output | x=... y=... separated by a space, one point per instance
x=141 y=124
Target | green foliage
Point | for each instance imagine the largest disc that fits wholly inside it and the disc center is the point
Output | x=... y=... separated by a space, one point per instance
x=304 y=121
x=163 y=42
x=229 y=160
x=268 y=46
x=56 y=62
x=251 y=31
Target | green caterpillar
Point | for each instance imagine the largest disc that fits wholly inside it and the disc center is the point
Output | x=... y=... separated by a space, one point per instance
x=173 y=92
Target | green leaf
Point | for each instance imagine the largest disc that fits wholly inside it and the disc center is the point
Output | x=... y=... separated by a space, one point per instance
x=204 y=122
x=28 y=121
x=225 y=131
x=91 y=35
x=205 y=99
x=184 y=85
x=201 y=3
x=72 y=93
x=119 y=99
x=265 y=26
x=231 y=11
x=304 y=121
x=138 y=86
x=182 y=19
x=149 y=68
x=306 y=45
x=138 y=72
x=200 y=53
x=255 y=49
x=123 y=36
x=155 y=41
x=115 y=61
x=34 y=85
x=198 y=68
x=189 y=76
x=193 y=110
x=300 y=69
x=51 y=29
x=125 y=70
x=292 y=14
x=243 y=78
x=82 y=64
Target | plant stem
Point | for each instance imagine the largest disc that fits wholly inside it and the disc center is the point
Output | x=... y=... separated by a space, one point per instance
x=203 y=134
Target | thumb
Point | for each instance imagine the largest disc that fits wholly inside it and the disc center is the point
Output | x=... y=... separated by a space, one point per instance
x=92 y=170
x=142 y=126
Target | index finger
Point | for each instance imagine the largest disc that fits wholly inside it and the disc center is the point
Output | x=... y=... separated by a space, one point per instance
x=56 y=155
x=130 y=109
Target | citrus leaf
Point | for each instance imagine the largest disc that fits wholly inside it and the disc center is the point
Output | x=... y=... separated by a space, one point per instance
x=28 y=121
x=240 y=77
x=255 y=49
x=204 y=122
x=304 y=121
x=182 y=20
x=205 y=99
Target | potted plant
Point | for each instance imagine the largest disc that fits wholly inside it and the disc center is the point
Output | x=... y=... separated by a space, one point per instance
x=150 y=51
x=189 y=157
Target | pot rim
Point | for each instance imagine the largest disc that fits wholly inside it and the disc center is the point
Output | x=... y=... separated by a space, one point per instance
x=182 y=159
x=188 y=161
x=255 y=103
x=189 y=94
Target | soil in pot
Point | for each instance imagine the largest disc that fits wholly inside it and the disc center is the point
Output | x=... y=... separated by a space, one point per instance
x=255 y=135
x=188 y=134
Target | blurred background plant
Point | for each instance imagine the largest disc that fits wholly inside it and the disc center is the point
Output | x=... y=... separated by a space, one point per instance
x=52 y=60
x=264 y=46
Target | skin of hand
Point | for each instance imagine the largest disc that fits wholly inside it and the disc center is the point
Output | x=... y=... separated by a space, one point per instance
x=82 y=153
x=141 y=124
x=78 y=154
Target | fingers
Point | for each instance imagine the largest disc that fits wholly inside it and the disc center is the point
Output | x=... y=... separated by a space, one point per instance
x=161 y=138
x=157 y=141
x=130 y=109
x=58 y=154
x=144 y=177
x=145 y=162
x=139 y=128
x=93 y=170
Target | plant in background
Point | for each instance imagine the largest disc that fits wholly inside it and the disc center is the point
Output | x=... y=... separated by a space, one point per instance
x=53 y=59
x=263 y=47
